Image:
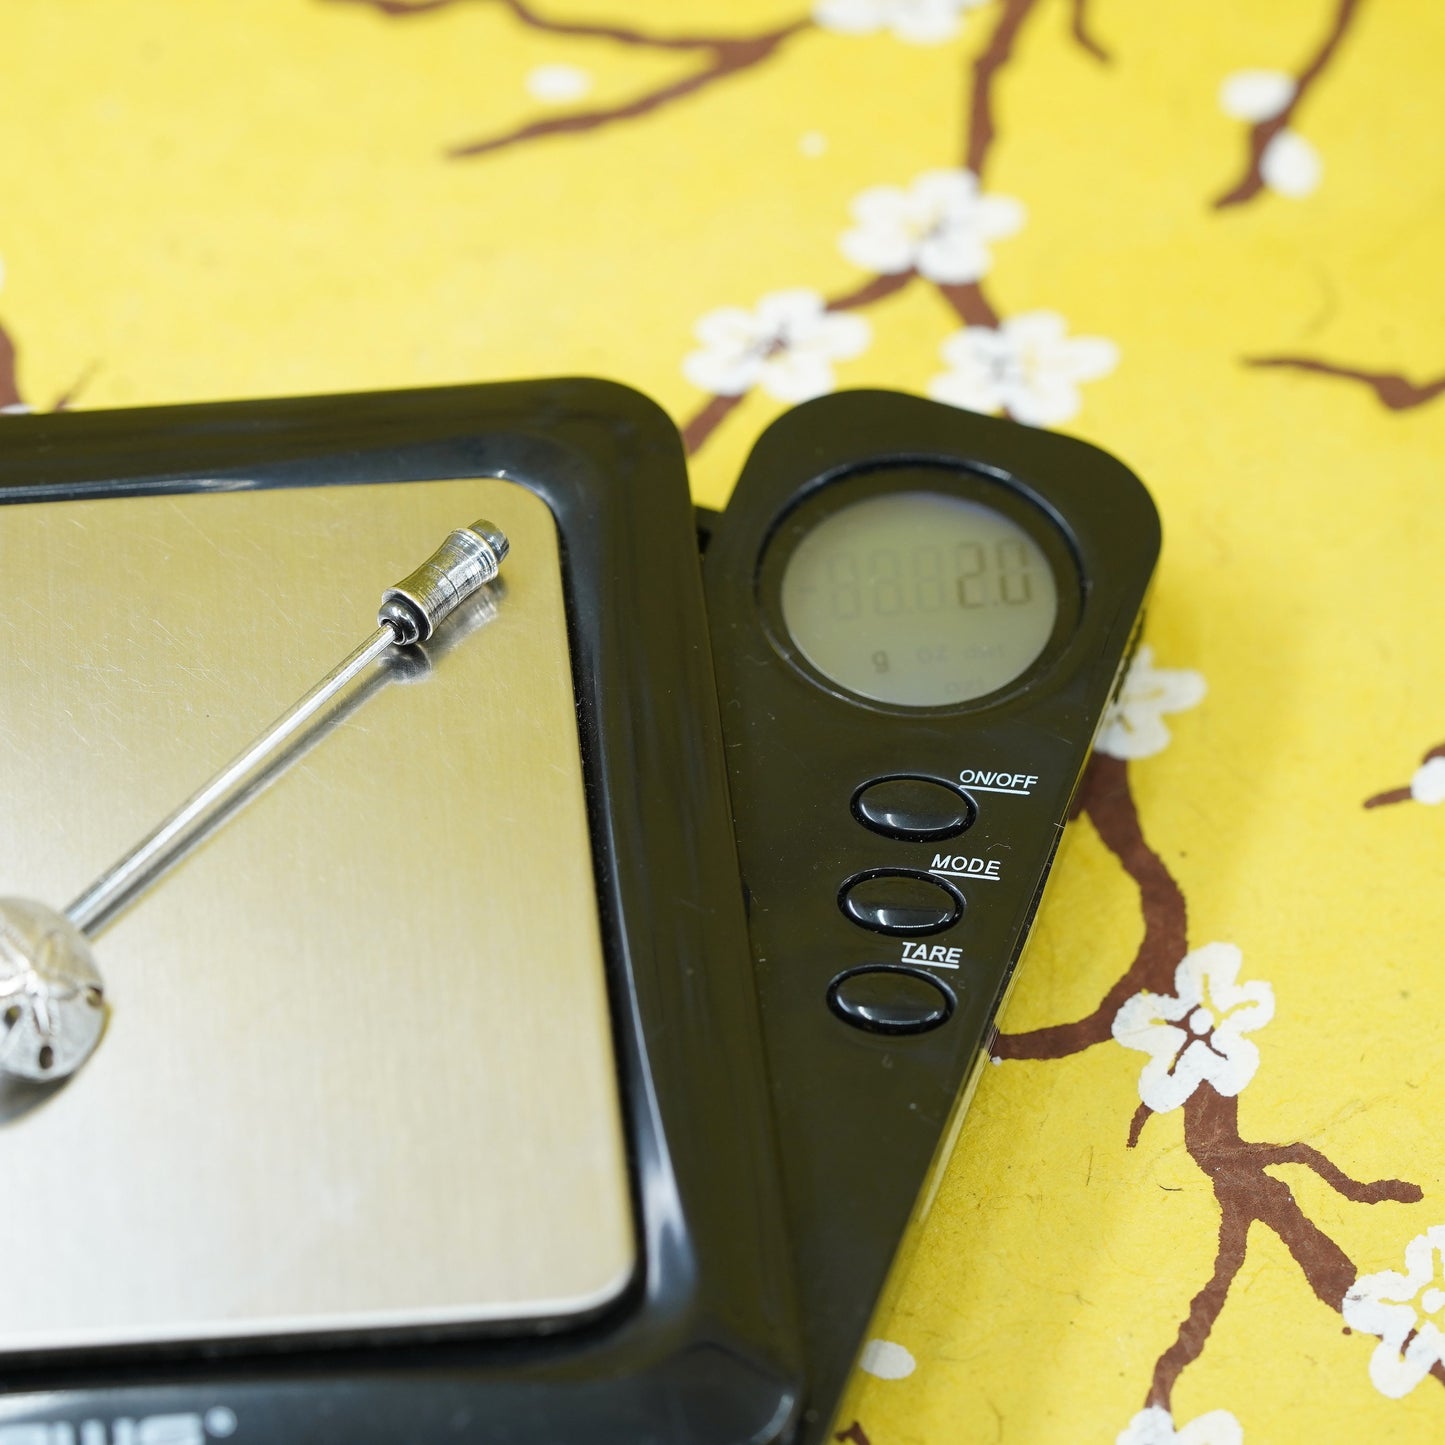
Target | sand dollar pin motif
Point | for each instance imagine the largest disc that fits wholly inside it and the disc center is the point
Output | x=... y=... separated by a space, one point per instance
x=52 y=1007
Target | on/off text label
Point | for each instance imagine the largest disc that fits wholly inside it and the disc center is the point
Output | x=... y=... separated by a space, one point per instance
x=989 y=781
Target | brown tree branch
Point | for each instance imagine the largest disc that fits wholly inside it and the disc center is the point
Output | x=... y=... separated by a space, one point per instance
x=875 y=288
x=1236 y=1168
x=1080 y=29
x=1109 y=804
x=706 y=420
x=1393 y=795
x=1247 y=1194
x=981 y=126
x=1204 y=1309
x=1251 y=182
x=66 y=399
x=1355 y=1190
x=9 y=381
x=1137 y=1123
x=1405 y=794
x=1211 y=1132
x=728 y=57
x=969 y=301
x=1393 y=390
x=400 y=9
x=528 y=15
x=1327 y=1269
x=970 y=304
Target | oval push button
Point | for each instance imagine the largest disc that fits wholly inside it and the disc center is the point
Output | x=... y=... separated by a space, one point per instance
x=887 y=1000
x=913 y=807
x=900 y=901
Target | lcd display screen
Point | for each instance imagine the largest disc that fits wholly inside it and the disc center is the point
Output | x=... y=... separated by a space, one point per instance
x=922 y=598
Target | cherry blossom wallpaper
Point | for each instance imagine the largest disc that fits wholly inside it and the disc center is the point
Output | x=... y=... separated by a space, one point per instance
x=1200 y=1194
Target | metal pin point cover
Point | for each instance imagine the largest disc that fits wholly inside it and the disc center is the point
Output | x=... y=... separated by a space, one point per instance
x=467 y=560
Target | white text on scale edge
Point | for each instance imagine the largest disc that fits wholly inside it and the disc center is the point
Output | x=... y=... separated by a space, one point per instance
x=988 y=781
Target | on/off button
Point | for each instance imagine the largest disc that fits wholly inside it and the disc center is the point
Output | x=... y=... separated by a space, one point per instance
x=900 y=901
x=914 y=807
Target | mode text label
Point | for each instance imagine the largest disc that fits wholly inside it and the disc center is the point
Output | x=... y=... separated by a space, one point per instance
x=957 y=865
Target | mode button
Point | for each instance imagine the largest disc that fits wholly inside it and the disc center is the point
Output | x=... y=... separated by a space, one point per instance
x=900 y=901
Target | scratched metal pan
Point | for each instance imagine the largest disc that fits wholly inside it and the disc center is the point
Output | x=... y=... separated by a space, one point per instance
x=430 y=1091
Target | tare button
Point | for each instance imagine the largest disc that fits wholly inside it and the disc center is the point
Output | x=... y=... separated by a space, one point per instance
x=889 y=1000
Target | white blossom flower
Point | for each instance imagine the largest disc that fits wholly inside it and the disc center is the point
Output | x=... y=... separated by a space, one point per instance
x=919 y=22
x=1290 y=165
x=1133 y=725
x=1428 y=784
x=786 y=345
x=887 y=1360
x=1197 y=1033
x=1155 y=1426
x=939 y=226
x=1027 y=367
x=558 y=84
x=1407 y=1311
x=1256 y=95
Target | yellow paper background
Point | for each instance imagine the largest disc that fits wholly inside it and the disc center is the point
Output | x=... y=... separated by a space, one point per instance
x=206 y=201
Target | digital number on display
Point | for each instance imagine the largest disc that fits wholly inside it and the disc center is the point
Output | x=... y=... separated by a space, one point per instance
x=885 y=582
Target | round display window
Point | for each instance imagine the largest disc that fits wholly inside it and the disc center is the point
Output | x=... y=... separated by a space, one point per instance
x=919 y=598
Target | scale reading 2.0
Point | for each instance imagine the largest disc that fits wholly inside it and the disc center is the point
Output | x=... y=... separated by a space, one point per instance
x=885 y=581
x=919 y=598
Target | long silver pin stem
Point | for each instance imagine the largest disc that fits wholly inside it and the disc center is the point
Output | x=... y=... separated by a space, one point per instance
x=409 y=613
x=51 y=1000
x=90 y=909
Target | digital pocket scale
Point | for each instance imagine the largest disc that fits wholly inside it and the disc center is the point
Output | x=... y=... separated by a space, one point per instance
x=551 y=1042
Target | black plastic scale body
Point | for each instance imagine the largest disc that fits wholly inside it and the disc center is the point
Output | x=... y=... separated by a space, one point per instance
x=893 y=830
x=893 y=853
